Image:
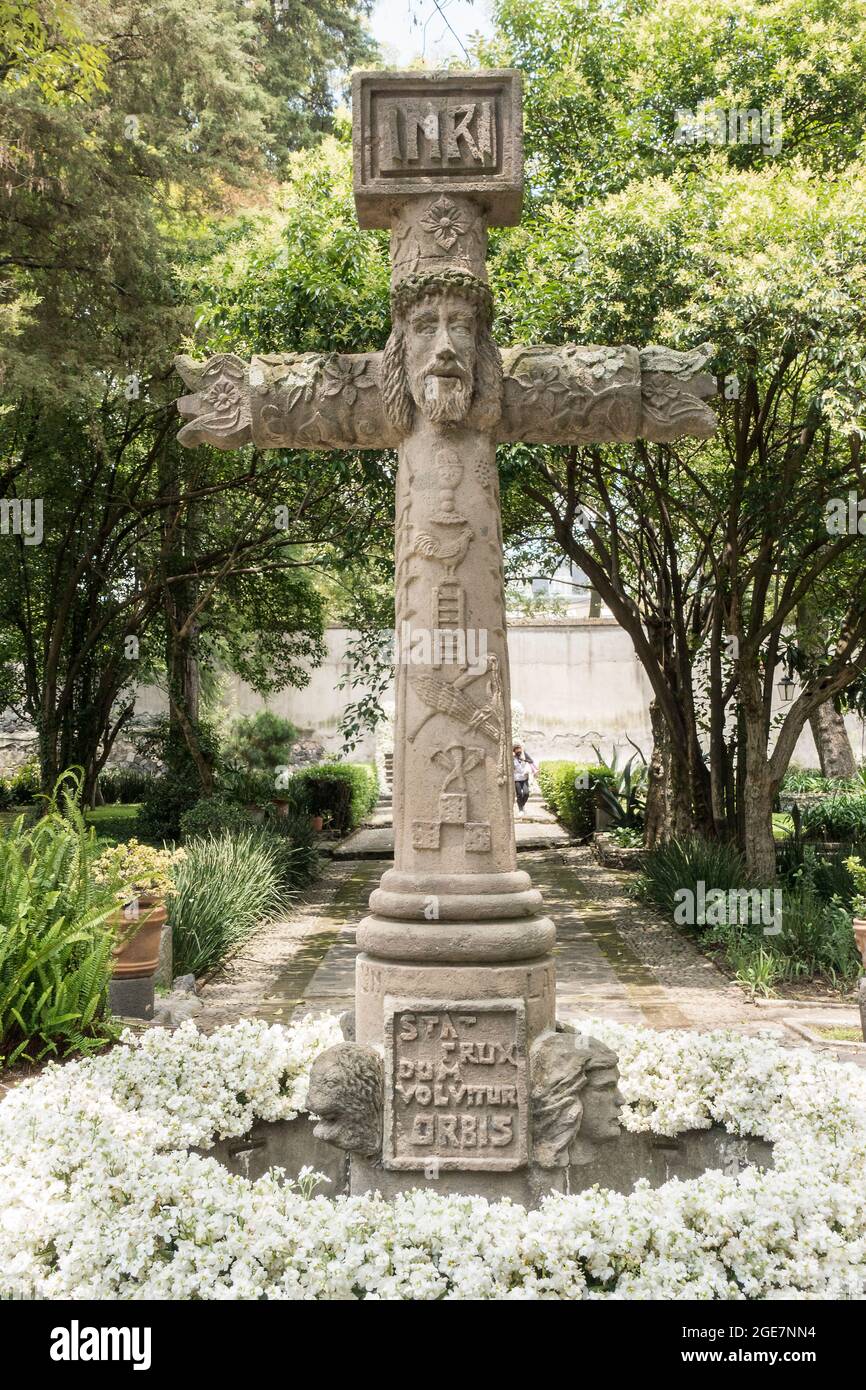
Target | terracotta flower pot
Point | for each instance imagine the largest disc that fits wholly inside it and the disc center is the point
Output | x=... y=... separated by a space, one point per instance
x=136 y=955
x=860 y=936
x=317 y=823
x=280 y=805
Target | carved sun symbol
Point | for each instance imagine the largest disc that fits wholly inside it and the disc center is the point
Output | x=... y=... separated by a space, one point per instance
x=443 y=222
x=222 y=395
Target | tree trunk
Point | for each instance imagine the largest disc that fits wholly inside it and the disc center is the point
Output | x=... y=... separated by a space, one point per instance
x=181 y=630
x=758 y=787
x=668 y=802
x=832 y=742
x=827 y=725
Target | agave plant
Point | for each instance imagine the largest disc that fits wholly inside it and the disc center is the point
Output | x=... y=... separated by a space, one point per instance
x=622 y=793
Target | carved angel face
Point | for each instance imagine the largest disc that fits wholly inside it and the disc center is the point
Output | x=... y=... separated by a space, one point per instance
x=440 y=339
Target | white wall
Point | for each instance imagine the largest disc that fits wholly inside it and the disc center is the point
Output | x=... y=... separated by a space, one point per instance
x=577 y=683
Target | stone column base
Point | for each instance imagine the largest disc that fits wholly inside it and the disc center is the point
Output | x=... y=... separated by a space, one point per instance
x=455 y=1040
x=532 y=981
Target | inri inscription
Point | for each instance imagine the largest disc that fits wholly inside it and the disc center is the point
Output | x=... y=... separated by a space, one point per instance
x=421 y=133
x=455 y=1088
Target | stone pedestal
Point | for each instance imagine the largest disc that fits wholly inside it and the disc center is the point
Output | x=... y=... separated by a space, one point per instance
x=131 y=998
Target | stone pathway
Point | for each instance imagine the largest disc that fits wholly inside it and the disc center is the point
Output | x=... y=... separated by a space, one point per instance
x=615 y=958
x=535 y=829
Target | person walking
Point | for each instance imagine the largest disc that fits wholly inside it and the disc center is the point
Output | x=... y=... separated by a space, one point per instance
x=523 y=766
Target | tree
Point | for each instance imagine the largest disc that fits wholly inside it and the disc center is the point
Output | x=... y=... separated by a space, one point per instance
x=115 y=184
x=703 y=554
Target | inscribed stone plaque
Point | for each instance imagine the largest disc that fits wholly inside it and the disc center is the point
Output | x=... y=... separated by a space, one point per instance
x=455 y=1084
x=417 y=132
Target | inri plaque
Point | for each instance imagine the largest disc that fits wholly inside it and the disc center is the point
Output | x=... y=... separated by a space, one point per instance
x=455 y=1084
x=421 y=133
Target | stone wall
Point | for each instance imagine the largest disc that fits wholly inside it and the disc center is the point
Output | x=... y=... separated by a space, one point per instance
x=291 y=1144
x=574 y=684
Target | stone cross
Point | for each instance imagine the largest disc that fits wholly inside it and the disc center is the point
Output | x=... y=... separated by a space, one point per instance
x=455 y=982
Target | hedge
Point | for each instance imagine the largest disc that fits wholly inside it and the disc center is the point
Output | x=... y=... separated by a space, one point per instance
x=344 y=793
x=572 y=804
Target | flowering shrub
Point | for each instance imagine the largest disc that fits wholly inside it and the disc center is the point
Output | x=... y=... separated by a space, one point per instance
x=137 y=868
x=99 y=1197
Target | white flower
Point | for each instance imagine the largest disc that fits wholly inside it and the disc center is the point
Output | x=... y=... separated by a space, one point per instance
x=101 y=1198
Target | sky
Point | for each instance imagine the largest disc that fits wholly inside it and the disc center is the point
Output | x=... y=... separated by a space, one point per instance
x=408 y=29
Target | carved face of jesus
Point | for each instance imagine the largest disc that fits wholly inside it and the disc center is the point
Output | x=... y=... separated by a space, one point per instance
x=602 y=1103
x=440 y=343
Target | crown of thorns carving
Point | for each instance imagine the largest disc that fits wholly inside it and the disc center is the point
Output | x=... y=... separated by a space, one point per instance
x=417 y=287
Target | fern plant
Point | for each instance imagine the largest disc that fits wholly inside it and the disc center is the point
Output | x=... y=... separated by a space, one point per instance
x=55 y=944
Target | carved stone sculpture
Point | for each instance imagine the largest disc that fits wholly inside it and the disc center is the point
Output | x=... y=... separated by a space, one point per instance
x=558 y=1075
x=601 y=1101
x=346 y=1094
x=574 y=1100
x=455 y=978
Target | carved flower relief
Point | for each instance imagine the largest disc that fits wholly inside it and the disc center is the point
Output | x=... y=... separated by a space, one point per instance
x=443 y=223
x=345 y=376
x=223 y=397
x=294 y=373
x=597 y=364
x=538 y=382
x=217 y=409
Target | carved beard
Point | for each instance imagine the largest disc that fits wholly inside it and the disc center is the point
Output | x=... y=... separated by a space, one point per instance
x=442 y=399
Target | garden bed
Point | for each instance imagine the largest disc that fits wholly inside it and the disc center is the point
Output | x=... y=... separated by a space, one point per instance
x=614 y=856
x=103 y=1197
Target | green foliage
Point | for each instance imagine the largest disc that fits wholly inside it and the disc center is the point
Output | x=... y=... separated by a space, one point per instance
x=622 y=792
x=344 y=793
x=55 y=946
x=247 y=787
x=603 y=82
x=225 y=888
x=815 y=940
x=857 y=869
x=129 y=139
x=840 y=817
x=754 y=966
x=805 y=779
x=166 y=802
x=632 y=235
x=123 y=785
x=828 y=875
x=213 y=815
x=22 y=788
x=42 y=46
x=178 y=787
x=683 y=864
x=571 y=792
x=627 y=837
x=115 y=823
x=262 y=741
x=294 y=840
